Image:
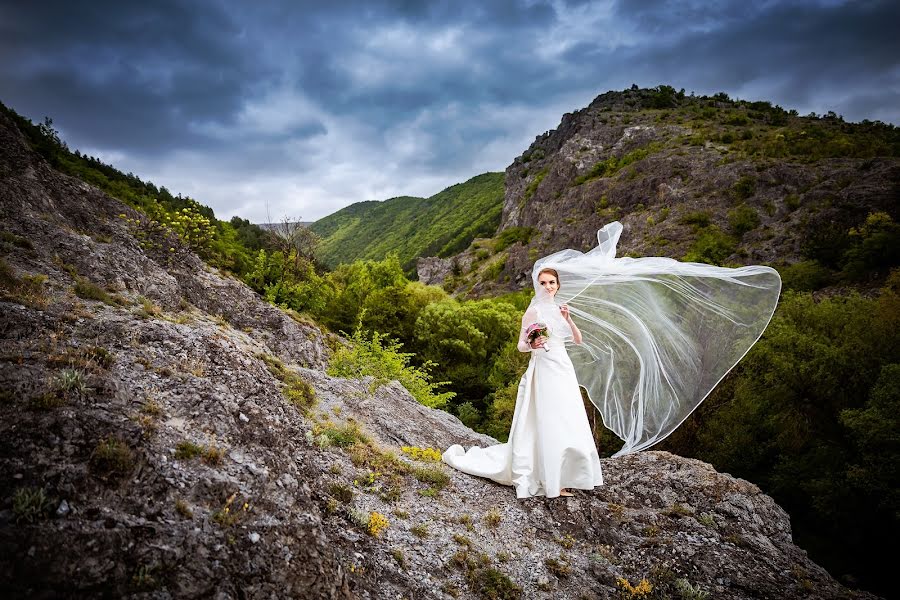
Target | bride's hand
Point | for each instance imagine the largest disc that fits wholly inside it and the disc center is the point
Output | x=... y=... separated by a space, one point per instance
x=564 y=311
x=538 y=343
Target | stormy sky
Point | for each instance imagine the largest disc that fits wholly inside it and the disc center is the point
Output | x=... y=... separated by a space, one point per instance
x=294 y=108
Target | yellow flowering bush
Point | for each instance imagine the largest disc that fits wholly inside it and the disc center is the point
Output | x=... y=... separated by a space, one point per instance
x=641 y=590
x=377 y=523
x=425 y=454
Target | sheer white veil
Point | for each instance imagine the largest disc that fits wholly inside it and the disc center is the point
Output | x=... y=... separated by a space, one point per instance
x=658 y=334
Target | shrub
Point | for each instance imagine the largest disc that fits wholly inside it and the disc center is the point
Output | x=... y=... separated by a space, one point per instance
x=698 y=219
x=742 y=219
x=493 y=518
x=112 y=458
x=513 y=235
x=805 y=276
x=744 y=187
x=613 y=164
x=559 y=567
x=377 y=523
x=378 y=356
x=533 y=186
x=712 y=246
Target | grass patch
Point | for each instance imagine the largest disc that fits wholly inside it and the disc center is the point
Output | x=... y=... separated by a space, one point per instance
x=11 y=240
x=88 y=290
x=435 y=477
x=187 y=450
x=559 y=567
x=492 y=518
x=296 y=390
x=341 y=492
x=27 y=290
x=112 y=458
x=712 y=246
x=742 y=219
x=30 y=504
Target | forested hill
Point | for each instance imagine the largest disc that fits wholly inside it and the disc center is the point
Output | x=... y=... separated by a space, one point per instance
x=441 y=225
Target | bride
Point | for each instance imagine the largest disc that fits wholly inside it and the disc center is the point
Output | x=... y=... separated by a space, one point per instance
x=654 y=337
x=550 y=445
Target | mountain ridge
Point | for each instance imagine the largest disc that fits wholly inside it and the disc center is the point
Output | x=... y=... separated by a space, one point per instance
x=409 y=226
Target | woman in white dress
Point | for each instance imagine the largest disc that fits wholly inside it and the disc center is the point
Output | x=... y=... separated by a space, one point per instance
x=550 y=445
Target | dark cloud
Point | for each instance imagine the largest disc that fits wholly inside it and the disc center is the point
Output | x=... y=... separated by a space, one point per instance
x=311 y=106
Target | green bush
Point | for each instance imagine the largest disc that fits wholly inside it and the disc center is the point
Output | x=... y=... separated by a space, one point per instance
x=712 y=246
x=513 y=235
x=378 y=356
x=744 y=187
x=698 y=219
x=805 y=276
x=742 y=219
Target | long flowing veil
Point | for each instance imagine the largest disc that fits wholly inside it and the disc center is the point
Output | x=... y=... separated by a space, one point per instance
x=658 y=334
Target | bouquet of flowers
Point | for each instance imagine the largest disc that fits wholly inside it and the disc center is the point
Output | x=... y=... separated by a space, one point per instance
x=536 y=330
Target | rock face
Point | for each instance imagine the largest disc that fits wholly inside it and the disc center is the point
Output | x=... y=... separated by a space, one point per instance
x=662 y=167
x=160 y=440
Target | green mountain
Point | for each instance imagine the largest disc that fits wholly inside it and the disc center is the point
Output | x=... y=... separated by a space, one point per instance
x=441 y=225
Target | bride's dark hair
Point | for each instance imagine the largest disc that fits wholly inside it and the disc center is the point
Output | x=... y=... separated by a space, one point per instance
x=552 y=272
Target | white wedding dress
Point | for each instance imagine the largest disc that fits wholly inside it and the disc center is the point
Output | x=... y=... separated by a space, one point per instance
x=550 y=444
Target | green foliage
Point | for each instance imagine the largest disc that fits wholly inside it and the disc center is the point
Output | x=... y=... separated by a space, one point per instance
x=533 y=186
x=296 y=390
x=742 y=219
x=493 y=270
x=712 y=246
x=514 y=235
x=805 y=276
x=88 y=290
x=665 y=96
x=874 y=246
x=744 y=187
x=30 y=504
x=463 y=339
x=441 y=225
x=469 y=415
x=378 y=356
x=810 y=415
x=613 y=164
x=698 y=219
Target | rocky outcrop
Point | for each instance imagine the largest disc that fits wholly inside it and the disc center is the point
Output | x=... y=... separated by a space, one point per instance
x=662 y=169
x=164 y=433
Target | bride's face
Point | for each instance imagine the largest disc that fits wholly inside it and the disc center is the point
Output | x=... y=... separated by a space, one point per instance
x=549 y=283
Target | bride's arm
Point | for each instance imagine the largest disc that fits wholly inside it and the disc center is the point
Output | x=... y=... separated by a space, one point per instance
x=576 y=333
x=527 y=319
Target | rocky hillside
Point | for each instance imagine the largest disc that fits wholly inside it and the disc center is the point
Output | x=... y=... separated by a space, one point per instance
x=699 y=178
x=164 y=433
